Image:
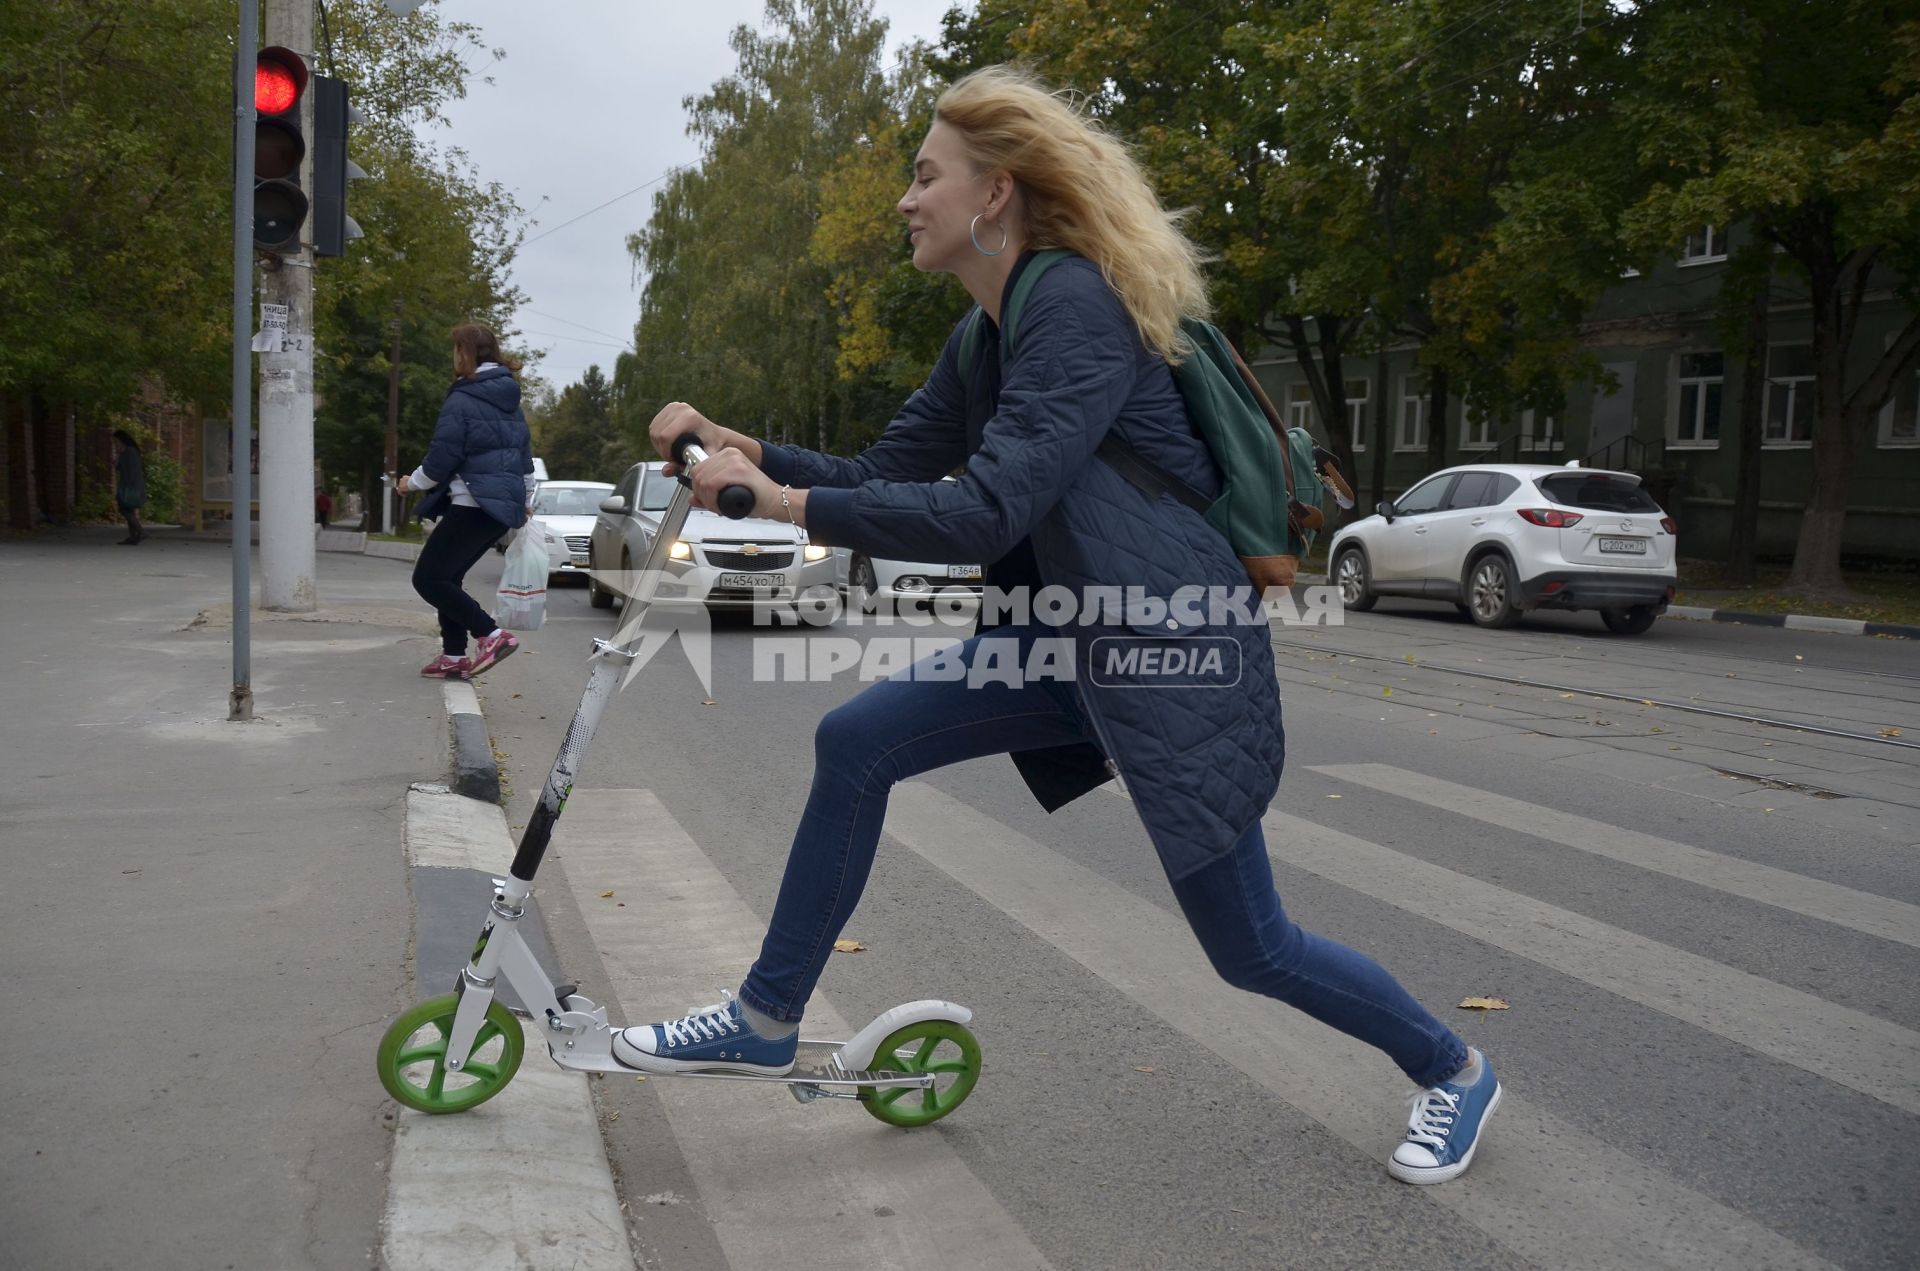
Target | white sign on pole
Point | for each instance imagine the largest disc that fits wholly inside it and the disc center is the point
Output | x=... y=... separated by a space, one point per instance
x=272 y=335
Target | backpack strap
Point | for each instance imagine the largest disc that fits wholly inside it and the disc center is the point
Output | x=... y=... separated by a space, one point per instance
x=1273 y=420
x=1149 y=478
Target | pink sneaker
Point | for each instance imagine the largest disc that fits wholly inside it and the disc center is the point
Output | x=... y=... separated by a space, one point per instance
x=491 y=649
x=447 y=667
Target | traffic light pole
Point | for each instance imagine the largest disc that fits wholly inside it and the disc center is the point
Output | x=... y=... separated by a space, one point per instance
x=240 y=699
x=286 y=380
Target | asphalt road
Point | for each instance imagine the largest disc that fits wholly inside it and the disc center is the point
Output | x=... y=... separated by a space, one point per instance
x=1707 y=929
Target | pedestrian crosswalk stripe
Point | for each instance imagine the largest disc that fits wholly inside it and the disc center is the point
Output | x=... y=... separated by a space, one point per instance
x=790 y=1185
x=1881 y=916
x=1607 y=1208
x=1839 y=1043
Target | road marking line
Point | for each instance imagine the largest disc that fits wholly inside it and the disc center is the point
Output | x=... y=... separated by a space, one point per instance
x=1544 y=1188
x=1838 y=1043
x=1879 y=916
x=786 y=1184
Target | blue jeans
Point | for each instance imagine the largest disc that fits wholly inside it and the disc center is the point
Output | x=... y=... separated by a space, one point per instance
x=901 y=727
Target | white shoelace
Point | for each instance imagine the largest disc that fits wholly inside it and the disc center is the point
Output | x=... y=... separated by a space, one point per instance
x=703 y=1023
x=1432 y=1119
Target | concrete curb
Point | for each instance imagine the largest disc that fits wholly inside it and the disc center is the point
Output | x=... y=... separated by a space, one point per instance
x=1796 y=622
x=475 y=773
x=523 y=1180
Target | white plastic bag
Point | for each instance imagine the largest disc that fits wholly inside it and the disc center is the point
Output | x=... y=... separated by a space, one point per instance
x=521 y=602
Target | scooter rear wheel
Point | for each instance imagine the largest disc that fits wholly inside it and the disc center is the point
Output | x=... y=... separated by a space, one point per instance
x=938 y=1046
x=413 y=1057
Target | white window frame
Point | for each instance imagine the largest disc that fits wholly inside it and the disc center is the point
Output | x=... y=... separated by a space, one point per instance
x=1911 y=387
x=1413 y=392
x=1800 y=390
x=1476 y=431
x=1686 y=433
x=1715 y=244
x=1357 y=411
x=1300 y=412
x=1548 y=439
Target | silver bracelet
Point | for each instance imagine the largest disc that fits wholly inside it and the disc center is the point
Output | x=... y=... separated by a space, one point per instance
x=789 y=510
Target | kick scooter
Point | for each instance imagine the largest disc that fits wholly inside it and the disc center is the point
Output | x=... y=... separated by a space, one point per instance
x=911 y=1066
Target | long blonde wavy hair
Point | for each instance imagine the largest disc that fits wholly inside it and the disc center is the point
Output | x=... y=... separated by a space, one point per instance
x=1083 y=191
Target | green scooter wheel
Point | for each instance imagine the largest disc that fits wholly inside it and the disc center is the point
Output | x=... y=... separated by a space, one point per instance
x=413 y=1057
x=938 y=1046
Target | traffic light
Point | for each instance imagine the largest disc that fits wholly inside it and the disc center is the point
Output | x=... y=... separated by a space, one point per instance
x=279 y=205
x=333 y=229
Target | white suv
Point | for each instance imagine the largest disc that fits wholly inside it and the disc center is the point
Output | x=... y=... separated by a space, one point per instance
x=1499 y=539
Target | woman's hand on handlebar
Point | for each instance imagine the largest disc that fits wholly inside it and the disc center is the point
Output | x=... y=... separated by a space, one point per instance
x=677 y=419
x=732 y=467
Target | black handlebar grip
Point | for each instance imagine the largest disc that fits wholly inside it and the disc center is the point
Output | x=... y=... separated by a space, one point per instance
x=736 y=501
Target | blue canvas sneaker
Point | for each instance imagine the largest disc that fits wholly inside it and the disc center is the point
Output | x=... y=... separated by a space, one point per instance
x=706 y=1039
x=1445 y=1129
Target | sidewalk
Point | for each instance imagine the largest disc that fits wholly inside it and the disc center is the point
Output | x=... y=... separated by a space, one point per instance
x=209 y=923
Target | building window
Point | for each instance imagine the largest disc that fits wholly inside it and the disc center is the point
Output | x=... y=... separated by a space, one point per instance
x=1703 y=377
x=1900 y=417
x=1299 y=406
x=1539 y=431
x=1358 y=394
x=1410 y=433
x=1704 y=246
x=1789 y=418
x=1476 y=431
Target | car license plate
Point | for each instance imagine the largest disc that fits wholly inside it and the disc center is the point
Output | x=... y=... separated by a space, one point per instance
x=1623 y=547
x=963 y=571
x=581 y=561
x=752 y=582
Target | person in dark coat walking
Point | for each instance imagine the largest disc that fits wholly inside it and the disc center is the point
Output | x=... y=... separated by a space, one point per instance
x=1006 y=169
x=478 y=475
x=129 y=485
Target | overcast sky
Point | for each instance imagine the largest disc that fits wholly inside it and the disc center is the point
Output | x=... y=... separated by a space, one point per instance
x=584 y=107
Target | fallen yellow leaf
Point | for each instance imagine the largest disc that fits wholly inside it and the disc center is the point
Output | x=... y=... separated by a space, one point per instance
x=1889 y=732
x=844 y=945
x=1485 y=1004
x=1567 y=697
x=707 y=701
x=606 y=895
x=1386 y=692
x=1137 y=1068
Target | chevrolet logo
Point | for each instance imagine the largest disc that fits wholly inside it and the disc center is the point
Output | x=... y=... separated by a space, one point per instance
x=749 y=549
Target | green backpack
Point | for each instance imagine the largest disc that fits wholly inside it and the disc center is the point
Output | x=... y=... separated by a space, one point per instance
x=1270 y=504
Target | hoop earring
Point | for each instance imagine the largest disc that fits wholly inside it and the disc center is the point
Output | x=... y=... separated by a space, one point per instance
x=973 y=232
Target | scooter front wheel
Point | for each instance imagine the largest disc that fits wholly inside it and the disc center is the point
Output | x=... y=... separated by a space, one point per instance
x=937 y=1046
x=413 y=1057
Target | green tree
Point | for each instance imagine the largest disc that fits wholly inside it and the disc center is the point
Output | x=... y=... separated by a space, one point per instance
x=575 y=432
x=735 y=313
x=1802 y=122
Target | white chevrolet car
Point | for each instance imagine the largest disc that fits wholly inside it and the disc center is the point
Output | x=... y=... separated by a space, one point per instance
x=563 y=515
x=1499 y=539
x=717 y=562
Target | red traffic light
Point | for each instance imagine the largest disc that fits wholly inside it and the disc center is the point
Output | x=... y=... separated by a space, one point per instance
x=279 y=77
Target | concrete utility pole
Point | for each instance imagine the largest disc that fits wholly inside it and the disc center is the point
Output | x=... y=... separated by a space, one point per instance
x=286 y=380
x=387 y=495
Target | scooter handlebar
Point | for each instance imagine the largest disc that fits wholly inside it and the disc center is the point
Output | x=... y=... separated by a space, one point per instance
x=736 y=501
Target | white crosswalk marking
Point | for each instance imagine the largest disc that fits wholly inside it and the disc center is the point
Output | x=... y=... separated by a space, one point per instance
x=822 y=1185
x=1880 y=916
x=1857 y=1050
x=1606 y=1208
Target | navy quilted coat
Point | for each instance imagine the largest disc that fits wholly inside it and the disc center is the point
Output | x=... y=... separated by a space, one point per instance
x=481 y=438
x=1201 y=760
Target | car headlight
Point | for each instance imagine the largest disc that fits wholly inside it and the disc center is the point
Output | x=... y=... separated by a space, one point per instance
x=679 y=551
x=814 y=551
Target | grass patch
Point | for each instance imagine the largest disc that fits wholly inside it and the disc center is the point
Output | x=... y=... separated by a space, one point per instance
x=1886 y=594
x=409 y=533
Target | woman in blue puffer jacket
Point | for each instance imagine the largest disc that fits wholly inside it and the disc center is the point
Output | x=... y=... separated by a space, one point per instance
x=479 y=477
x=1007 y=169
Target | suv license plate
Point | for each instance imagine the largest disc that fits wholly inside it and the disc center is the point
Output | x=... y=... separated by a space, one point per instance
x=963 y=571
x=752 y=582
x=1623 y=547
